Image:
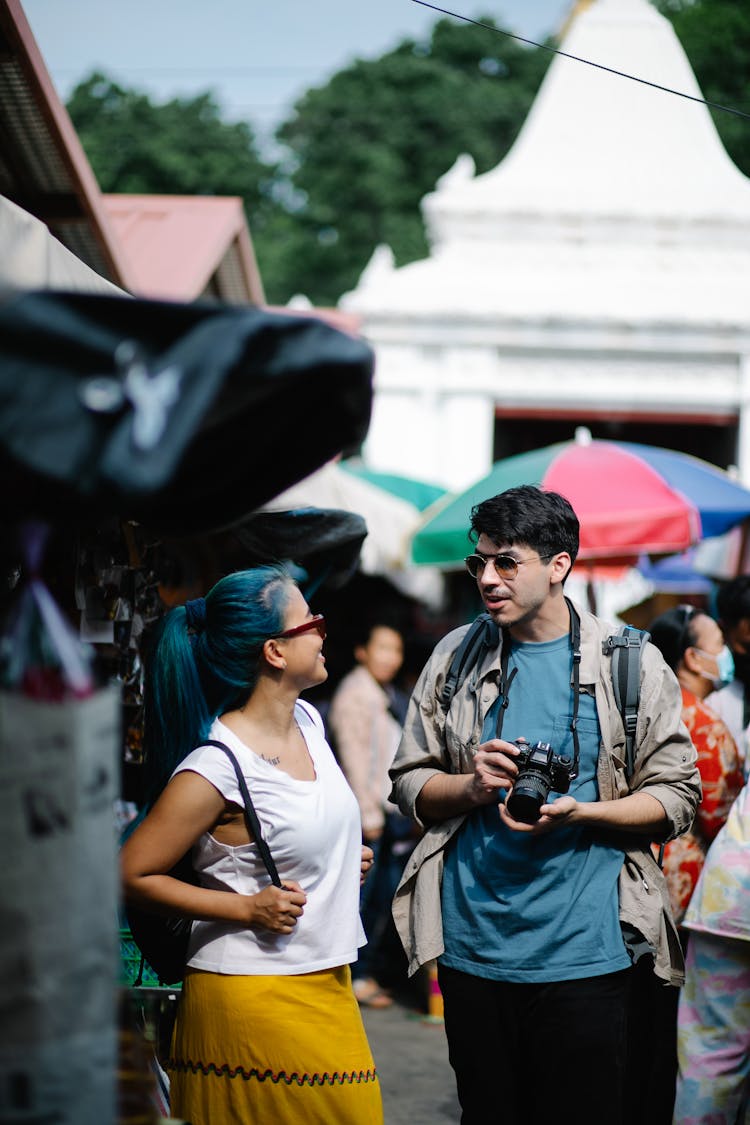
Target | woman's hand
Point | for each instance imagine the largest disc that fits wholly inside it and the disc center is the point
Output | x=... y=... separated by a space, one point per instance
x=277 y=908
x=368 y=858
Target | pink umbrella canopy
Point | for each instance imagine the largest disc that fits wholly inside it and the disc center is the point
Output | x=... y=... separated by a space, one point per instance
x=621 y=502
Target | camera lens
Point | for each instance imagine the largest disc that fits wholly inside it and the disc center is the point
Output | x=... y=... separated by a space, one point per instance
x=529 y=793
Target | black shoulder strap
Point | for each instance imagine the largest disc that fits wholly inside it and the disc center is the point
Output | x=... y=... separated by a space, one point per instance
x=482 y=635
x=253 y=824
x=625 y=648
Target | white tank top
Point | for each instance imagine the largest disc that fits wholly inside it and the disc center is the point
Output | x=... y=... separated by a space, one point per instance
x=313 y=831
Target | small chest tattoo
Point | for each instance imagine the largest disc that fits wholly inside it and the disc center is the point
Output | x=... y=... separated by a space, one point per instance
x=271 y=761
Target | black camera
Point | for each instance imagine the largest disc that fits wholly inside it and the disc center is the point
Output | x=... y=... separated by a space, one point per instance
x=539 y=771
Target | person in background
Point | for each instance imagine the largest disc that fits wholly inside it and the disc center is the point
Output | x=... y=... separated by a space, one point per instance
x=268 y=1029
x=365 y=719
x=732 y=703
x=693 y=646
x=713 y=1084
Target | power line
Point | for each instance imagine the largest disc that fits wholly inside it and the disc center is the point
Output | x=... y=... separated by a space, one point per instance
x=588 y=62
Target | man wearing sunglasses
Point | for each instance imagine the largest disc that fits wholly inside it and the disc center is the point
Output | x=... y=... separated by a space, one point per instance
x=536 y=924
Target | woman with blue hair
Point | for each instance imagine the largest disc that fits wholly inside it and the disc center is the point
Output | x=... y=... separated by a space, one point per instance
x=268 y=1028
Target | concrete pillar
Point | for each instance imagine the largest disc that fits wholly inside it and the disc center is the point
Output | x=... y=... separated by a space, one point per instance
x=432 y=435
x=402 y=437
x=466 y=438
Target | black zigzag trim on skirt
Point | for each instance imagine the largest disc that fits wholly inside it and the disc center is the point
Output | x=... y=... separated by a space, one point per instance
x=293 y=1079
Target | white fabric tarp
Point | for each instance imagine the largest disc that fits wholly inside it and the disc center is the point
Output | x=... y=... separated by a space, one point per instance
x=391 y=522
x=32 y=258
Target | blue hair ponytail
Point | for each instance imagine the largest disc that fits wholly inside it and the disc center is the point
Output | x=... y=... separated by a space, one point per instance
x=205 y=662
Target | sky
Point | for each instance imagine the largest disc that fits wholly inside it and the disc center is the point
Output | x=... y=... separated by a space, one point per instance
x=256 y=57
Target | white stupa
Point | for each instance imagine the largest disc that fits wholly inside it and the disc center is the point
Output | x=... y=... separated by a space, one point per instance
x=604 y=265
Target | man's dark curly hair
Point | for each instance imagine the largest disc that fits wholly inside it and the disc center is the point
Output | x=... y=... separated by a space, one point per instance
x=544 y=521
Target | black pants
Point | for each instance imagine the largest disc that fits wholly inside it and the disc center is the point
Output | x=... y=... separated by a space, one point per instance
x=652 y=1048
x=527 y=1054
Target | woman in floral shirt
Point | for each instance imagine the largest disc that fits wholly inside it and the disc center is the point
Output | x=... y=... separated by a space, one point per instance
x=693 y=646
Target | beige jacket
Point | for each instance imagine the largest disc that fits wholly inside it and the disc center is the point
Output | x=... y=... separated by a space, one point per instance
x=665 y=767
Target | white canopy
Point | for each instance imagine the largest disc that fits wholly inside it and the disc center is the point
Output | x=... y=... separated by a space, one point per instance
x=391 y=522
x=32 y=258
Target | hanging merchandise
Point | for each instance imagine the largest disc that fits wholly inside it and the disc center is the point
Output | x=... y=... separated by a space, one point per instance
x=117 y=596
x=59 y=742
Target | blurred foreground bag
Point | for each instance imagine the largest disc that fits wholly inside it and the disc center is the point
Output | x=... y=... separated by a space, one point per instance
x=181 y=417
x=59 y=772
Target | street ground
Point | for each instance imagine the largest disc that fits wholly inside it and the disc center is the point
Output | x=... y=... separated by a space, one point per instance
x=411 y=1055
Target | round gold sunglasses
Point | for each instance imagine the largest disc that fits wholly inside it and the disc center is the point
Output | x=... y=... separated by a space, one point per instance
x=505 y=565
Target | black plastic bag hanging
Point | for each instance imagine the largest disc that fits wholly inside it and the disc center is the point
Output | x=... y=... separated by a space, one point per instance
x=182 y=417
x=324 y=542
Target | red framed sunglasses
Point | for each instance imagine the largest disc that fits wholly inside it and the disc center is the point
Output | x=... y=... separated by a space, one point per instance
x=318 y=622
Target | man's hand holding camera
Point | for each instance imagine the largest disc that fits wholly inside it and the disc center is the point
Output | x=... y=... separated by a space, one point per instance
x=533 y=771
x=494 y=769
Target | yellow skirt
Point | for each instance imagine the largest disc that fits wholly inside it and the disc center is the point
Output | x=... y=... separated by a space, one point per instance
x=251 y=1050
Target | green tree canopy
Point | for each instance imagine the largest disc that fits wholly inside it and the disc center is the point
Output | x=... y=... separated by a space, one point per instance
x=372 y=142
x=180 y=147
x=363 y=149
x=716 y=38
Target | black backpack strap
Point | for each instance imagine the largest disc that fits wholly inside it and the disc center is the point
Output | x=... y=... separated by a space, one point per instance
x=253 y=824
x=625 y=648
x=482 y=634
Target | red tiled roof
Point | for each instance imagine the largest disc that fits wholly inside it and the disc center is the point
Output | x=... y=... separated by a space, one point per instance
x=181 y=247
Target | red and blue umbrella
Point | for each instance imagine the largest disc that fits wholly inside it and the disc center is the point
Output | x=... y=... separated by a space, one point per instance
x=630 y=499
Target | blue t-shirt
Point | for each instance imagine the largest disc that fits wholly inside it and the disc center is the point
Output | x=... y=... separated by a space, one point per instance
x=528 y=908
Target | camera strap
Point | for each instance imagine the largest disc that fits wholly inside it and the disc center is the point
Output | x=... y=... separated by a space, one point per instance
x=506 y=681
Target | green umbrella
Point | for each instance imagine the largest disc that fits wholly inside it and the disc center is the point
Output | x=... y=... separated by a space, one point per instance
x=443 y=539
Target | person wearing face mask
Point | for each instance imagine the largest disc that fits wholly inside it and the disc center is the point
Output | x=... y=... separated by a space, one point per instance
x=732 y=702
x=693 y=645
